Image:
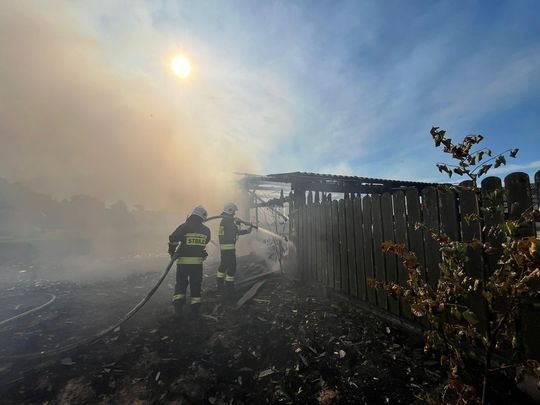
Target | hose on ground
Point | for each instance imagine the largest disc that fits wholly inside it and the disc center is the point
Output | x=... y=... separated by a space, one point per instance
x=99 y=335
x=91 y=339
x=30 y=311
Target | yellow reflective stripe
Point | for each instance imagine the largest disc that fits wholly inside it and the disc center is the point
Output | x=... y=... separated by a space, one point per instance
x=227 y=246
x=195 y=300
x=229 y=278
x=177 y=297
x=221 y=231
x=220 y=274
x=196 y=239
x=190 y=260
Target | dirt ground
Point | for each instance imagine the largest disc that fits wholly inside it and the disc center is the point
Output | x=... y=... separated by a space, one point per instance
x=290 y=344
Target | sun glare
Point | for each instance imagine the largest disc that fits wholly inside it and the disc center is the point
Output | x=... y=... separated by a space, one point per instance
x=181 y=66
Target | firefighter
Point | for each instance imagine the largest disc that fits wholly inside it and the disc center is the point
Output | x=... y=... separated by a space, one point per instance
x=228 y=234
x=192 y=236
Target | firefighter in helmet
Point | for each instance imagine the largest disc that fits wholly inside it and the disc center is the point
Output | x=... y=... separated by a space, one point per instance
x=228 y=234
x=192 y=237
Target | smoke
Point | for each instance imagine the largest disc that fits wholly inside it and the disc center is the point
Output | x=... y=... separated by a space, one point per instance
x=71 y=122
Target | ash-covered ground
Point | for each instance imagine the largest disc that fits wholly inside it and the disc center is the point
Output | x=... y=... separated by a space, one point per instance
x=289 y=344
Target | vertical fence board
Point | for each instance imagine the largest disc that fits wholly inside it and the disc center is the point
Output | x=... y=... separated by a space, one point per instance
x=471 y=230
x=448 y=214
x=368 y=246
x=378 y=258
x=317 y=235
x=323 y=243
x=400 y=221
x=329 y=244
x=491 y=199
x=322 y=239
x=336 y=249
x=344 y=265
x=390 y=263
x=359 y=248
x=351 y=254
x=312 y=249
x=300 y=228
x=519 y=200
x=414 y=216
x=430 y=216
x=537 y=188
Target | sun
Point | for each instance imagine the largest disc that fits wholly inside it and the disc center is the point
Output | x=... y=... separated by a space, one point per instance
x=181 y=66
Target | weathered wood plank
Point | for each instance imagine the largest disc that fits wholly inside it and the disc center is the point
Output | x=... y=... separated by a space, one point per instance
x=311 y=257
x=430 y=216
x=300 y=240
x=448 y=214
x=351 y=254
x=359 y=248
x=323 y=242
x=368 y=246
x=471 y=230
x=344 y=263
x=329 y=244
x=492 y=197
x=414 y=217
x=336 y=249
x=378 y=257
x=400 y=231
x=317 y=235
x=250 y=293
x=390 y=263
x=518 y=189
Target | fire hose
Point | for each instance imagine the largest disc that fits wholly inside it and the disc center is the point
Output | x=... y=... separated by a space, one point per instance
x=99 y=335
x=30 y=311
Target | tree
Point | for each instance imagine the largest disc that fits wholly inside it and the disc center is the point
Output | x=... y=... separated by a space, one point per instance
x=473 y=352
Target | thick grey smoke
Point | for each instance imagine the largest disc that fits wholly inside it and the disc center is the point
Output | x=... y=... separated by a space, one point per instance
x=71 y=123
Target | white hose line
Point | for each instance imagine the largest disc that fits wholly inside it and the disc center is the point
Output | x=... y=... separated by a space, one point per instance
x=30 y=311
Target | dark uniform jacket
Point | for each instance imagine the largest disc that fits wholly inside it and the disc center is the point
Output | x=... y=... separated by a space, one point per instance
x=193 y=237
x=229 y=232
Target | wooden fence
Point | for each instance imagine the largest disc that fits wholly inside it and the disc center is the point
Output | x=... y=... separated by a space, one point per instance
x=339 y=241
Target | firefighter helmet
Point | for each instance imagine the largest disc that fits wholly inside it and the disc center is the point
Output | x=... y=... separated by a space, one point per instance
x=230 y=208
x=201 y=212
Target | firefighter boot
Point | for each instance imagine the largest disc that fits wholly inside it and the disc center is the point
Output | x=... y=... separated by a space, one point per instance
x=194 y=311
x=178 y=302
x=220 y=283
x=229 y=289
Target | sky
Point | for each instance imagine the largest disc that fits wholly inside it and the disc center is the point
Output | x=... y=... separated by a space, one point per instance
x=88 y=102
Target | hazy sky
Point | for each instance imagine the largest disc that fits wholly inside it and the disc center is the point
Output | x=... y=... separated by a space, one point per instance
x=87 y=100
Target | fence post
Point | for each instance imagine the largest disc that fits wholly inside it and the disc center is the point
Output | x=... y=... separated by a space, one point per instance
x=368 y=246
x=390 y=263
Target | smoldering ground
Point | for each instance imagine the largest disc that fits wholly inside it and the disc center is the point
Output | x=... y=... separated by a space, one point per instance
x=73 y=123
